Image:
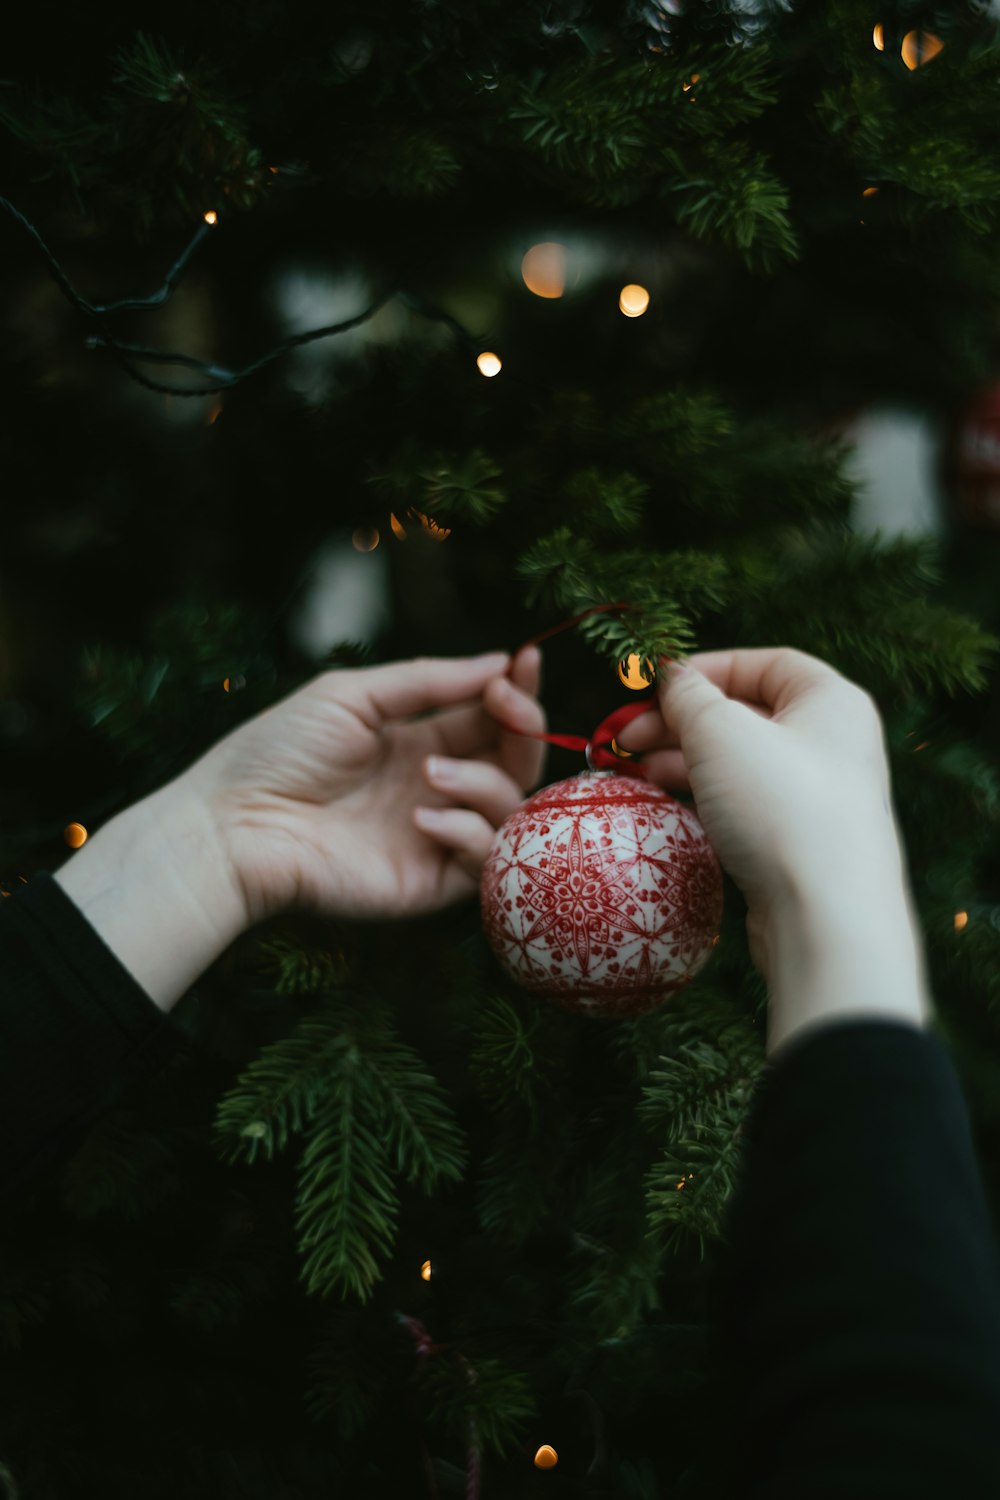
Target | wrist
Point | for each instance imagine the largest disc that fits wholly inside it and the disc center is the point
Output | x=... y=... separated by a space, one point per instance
x=155 y=885
x=852 y=959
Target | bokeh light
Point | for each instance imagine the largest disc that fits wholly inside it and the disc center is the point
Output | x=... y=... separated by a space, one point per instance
x=633 y=300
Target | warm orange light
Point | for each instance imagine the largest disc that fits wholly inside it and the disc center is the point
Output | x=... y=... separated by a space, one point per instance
x=878 y=37
x=617 y=750
x=869 y=192
x=633 y=300
x=211 y=217
x=75 y=834
x=693 y=79
x=630 y=672
x=544 y=269
x=489 y=365
x=920 y=47
x=425 y=1270
x=214 y=413
x=439 y=533
x=961 y=920
x=365 y=539
x=398 y=529
x=546 y=1457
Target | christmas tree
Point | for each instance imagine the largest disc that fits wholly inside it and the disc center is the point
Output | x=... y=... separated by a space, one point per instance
x=337 y=337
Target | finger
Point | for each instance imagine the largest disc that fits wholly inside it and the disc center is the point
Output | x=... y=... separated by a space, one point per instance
x=648 y=731
x=511 y=704
x=459 y=828
x=768 y=675
x=402 y=688
x=477 y=784
x=667 y=768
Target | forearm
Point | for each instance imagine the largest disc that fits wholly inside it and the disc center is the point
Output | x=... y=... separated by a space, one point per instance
x=154 y=884
x=854 y=957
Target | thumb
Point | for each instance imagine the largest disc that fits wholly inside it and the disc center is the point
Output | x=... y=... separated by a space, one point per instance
x=682 y=689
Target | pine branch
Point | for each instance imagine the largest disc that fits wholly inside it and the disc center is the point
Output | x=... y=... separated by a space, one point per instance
x=367 y=1108
x=458 y=486
x=349 y=1366
x=282 y=1089
x=496 y=1402
x=418 y=1132
x=346 y=1205
x=738 y=200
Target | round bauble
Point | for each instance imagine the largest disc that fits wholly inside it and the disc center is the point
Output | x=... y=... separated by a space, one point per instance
x=603 y=894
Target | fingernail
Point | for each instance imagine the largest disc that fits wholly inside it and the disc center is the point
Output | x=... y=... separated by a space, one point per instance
x=439 y=770
x=671 y=668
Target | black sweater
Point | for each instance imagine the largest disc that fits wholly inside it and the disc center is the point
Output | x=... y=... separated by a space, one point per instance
x=859 y=1314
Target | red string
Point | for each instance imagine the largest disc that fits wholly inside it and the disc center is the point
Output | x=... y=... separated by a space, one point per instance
x=599 y=757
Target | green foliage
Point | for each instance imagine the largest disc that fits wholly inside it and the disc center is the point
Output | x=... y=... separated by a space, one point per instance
x=407 y=163
x=517 y=1064
x=180 y=122
x=693 y=1107
x=617 y=130
x=486 y=1406
x=615 y=1267
x=457 y=486
x=606 y=502
x=737 y=200
x=575 y=574
x=505 y=1061
x=299 y=970
x=859 y=602
x=368 y=1110
x=166 y=702
x=349 y=1368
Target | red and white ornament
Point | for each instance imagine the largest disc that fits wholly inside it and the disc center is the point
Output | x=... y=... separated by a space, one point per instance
x=603 y=894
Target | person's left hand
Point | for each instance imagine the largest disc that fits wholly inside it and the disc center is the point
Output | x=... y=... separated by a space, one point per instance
x=325 y=801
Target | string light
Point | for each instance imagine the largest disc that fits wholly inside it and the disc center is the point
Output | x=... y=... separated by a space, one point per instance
x=489 y=365
x=425 y=1270
x=869 y=192
x=367 y=538
x=544 y=269
x=878 y=38
x=75 y=835
x=631 y=672
x=546 y=1457
x=961 y=920
x=211 y=217
x=633 y=300
x=920 y=47
x=233 y=684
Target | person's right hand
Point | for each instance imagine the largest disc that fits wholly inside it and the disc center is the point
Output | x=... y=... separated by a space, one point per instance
x=787 y=764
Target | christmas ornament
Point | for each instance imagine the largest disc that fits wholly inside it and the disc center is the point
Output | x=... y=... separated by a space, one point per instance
x=603 y=894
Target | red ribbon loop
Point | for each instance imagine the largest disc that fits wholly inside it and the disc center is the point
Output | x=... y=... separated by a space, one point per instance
x=599 y=757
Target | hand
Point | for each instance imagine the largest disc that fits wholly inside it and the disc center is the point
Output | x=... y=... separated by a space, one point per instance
x=786 y=760
x=325 y=801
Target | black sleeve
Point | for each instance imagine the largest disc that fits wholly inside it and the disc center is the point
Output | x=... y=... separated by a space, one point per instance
x=859 y=1306
x=78 y=1030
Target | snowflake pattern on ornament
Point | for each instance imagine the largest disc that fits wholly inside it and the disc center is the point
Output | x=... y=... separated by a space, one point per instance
x=602 y=893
